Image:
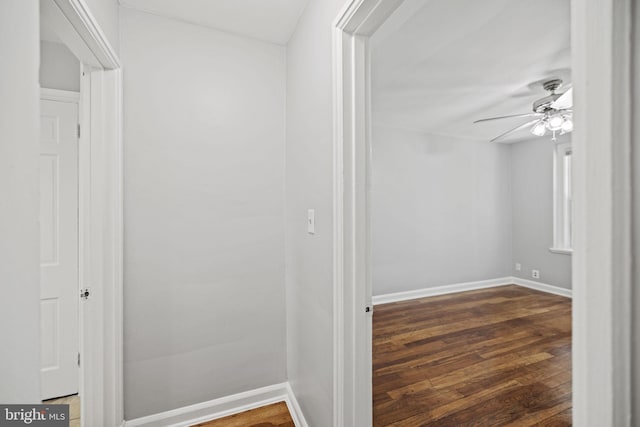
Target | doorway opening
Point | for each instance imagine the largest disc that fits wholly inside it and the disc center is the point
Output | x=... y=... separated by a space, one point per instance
x=80 y=216
x=59 y=267
x=464 y=280
x=600 y=172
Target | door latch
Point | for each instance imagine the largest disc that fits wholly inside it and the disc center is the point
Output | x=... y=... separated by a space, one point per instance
x=85 y=293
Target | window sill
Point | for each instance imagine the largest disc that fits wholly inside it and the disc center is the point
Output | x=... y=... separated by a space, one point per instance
x=561 y=251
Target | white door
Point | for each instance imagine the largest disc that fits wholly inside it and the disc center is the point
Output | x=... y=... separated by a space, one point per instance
x=59 y=294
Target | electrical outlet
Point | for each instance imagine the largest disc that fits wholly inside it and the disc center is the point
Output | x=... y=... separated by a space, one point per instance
x=518 y=266
x=535 y=274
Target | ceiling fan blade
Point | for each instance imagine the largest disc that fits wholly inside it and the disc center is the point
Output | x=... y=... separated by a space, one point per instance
x=564 y=102
x=515 y=129
x=509 y=117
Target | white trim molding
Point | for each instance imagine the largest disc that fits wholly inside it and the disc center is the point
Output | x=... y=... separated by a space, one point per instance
x=544 y=287
x=470 y=286
x=562 y=195
x=352 y=321
x=294 y=408
x=59 y=95
x=602 y=74
x=561 y=251
x=224 y=407
x=441 y=290
x=87 y=27
x=101 y=208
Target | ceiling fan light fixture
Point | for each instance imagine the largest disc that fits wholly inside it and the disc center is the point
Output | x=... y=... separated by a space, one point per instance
x=555 y=122
x=553 y=114
x=567 y=125
x=539 y=129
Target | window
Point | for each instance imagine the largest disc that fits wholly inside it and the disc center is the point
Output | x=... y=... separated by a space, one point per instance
x=563 y=200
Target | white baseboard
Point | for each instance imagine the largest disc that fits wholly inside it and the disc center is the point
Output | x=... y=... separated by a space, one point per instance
x=294 y=409
x=236 y=403
x=469 y=286
x=223 y=407
x=544 y=287
x=441 y=290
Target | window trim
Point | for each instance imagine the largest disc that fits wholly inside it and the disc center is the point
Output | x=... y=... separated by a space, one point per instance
x=561 y=242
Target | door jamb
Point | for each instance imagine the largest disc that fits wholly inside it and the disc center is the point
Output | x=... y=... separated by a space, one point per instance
x=101 y=206
x=351 y=284
x=602 y=258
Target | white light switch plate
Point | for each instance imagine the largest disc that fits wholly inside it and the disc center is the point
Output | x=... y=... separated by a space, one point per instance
x=311 y=221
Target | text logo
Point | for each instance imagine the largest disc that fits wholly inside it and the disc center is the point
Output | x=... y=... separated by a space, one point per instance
x=34 y=415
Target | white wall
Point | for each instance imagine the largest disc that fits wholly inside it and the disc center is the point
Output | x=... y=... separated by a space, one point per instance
x=532 y=204
x=635 y=403
x=309 y=180
x=204 y=213
x=59 y=68
x=441 y=210
x=448 y=211
x=19 y=204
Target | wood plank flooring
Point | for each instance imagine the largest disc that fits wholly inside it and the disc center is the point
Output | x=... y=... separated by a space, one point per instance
x=492 y=357
x=74 y=407
x=276 y=415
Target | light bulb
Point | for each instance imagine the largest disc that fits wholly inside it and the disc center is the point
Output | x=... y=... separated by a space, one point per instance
x=555 y=122
x=539 y=129
x=567 y=125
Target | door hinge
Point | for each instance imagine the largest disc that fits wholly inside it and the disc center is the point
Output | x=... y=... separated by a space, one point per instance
x=85 y=293
x=78 y=130
x=78 y=359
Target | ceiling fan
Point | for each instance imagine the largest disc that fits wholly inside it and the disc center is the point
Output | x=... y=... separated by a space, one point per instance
x=552 y=113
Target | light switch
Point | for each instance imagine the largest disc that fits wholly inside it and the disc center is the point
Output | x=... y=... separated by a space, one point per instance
x=311 y=221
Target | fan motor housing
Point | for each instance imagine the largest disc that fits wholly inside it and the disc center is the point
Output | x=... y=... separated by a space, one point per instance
x=543 y=105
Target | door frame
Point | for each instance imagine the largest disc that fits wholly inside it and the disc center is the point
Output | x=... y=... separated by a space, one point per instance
x=100 y=210
x=602 y=257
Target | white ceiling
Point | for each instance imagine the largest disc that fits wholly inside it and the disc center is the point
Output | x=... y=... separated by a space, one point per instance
x=273 y=20
x=438 y=65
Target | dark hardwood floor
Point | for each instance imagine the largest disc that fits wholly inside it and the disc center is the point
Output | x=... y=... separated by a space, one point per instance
x=492 y=357
x=276 y=415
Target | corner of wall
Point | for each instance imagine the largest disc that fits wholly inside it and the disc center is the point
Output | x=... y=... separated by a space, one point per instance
x=511 y=268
